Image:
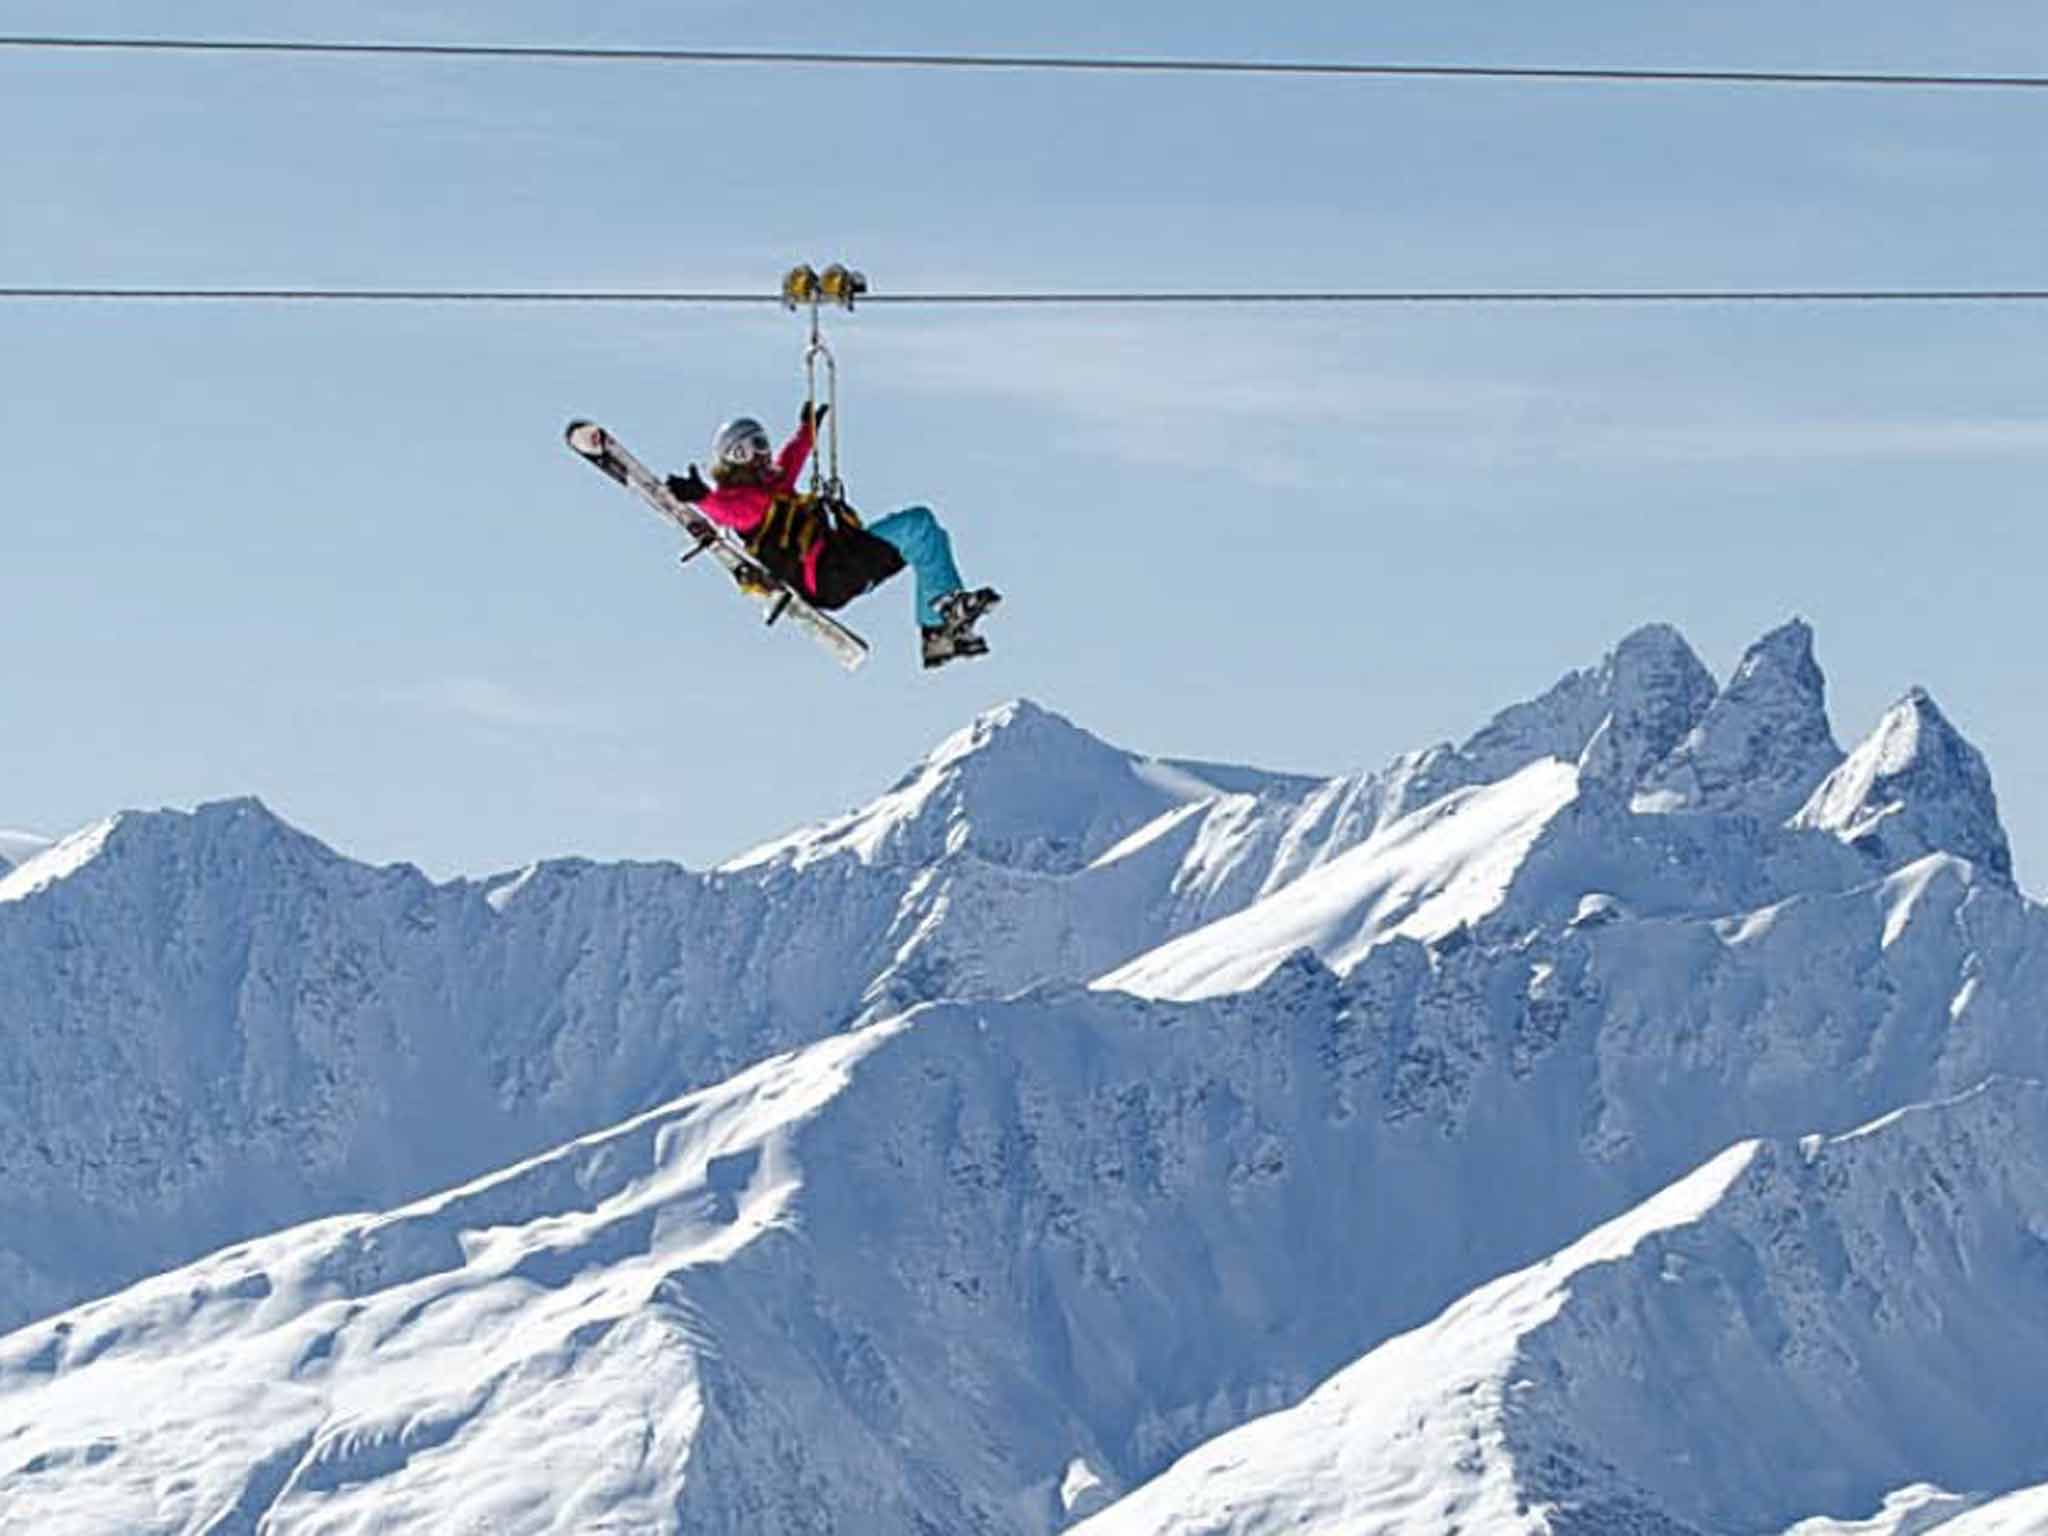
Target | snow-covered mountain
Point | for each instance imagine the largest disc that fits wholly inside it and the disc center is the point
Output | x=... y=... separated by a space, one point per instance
x=1352 y=1049
x=223 y=1027
x=227 y=1028
x=978 y=1268
x=1826 y=1325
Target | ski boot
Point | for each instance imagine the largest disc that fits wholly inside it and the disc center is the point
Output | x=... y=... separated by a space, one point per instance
x=945 y=644
x=958 y=611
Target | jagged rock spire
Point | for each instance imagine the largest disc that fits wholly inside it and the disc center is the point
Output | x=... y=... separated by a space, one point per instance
x=1651 y=686
x=1915 y=786
x=1764 y=742
x=1658 y=690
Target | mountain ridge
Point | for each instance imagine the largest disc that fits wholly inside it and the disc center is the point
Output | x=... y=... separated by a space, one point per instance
x=278 y=1065
x=890 y=1193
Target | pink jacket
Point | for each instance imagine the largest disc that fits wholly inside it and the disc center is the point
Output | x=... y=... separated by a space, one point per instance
x=742 y=507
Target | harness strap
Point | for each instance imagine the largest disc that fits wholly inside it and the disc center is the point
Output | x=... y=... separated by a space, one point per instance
x=783 y=539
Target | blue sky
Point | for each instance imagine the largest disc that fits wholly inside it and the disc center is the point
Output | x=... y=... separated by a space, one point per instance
x=338 y=558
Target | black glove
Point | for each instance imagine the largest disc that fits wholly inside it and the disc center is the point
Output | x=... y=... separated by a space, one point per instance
x=690 y=487
x=812 y=417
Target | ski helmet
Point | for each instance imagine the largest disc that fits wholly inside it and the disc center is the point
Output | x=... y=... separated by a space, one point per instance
x=740 y=443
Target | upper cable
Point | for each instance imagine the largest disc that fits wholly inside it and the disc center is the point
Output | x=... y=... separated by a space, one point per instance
x=1070 y=63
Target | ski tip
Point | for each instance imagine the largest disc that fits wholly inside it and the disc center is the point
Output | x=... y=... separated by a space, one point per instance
x=586 y=437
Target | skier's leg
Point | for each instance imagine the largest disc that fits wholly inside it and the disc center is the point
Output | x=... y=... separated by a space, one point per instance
x=920 y=539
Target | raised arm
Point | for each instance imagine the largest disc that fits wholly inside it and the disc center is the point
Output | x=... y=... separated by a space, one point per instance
x=796 y=452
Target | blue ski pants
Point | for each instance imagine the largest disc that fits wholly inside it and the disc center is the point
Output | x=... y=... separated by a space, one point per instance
x=916 y=535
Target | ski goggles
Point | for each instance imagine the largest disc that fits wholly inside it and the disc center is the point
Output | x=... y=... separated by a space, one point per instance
x=752 y=449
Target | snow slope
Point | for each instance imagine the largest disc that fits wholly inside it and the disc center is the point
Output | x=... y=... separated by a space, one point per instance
x=923 y=1271
x=916 y=1275
x=1797 y=1329
x=2024 y=1513
x=910 y=1275
x=1435 y=871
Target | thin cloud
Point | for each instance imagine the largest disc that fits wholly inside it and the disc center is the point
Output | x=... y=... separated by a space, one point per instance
x=1830 y=440
x=1132 y=390
x=477 y=700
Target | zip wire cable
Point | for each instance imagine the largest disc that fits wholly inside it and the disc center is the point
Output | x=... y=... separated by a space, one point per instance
x=1068 y=63
x=534 y=296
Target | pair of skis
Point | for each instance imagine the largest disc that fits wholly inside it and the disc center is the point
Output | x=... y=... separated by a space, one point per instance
x=599 y=448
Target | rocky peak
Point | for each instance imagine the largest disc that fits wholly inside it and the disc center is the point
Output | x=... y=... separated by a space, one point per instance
x=1914 y=786
x=1651 y=686
x=1762 y=744
x=1658 y=690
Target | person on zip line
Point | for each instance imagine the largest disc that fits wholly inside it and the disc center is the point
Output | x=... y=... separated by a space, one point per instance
x=817 y=543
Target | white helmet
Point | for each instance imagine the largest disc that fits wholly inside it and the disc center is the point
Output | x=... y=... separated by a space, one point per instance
x=741 y=442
